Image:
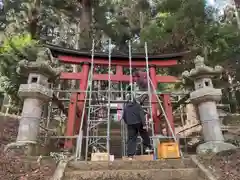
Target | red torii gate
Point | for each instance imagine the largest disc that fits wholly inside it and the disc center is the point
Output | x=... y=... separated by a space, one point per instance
x=84 y=59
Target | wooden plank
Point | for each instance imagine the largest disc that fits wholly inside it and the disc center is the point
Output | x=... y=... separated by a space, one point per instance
x=141 y=157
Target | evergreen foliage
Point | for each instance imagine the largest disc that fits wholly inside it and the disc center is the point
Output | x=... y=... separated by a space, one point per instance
x=168 y=26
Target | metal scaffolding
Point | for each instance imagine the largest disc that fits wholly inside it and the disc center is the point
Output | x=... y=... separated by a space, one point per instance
x=100 y=105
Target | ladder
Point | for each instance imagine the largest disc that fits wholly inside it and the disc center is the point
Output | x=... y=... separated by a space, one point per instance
x=78 y=152
x=150 y=122
x=150 y=125
x=94 y=141
x=124 y=131
x=152 y=90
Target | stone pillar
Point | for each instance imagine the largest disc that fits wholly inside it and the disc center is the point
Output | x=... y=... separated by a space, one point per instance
x=29 y=123
x=210 y=121
x=35 y=94
x=205 y=98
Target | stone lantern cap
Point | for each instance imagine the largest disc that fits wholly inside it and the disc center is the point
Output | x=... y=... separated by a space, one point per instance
x=43 y=65
x=35 y=91
x=201 y=70
x=39 y=73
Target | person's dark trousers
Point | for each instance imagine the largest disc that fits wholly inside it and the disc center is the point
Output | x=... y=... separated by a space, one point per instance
x=133 y=131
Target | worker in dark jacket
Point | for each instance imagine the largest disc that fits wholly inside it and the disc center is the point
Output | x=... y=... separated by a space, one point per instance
x=134 y=117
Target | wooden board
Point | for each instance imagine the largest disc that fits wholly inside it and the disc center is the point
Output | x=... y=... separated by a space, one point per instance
x=141 y=157
x=99 y=157
x=102 y=157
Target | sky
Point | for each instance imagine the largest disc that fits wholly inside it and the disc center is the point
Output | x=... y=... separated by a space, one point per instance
x=1 y=4
x=211 y=2
x=218 y=3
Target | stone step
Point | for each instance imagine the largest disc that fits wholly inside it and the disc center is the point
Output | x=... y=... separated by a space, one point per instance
x=147 y=174
x=116 y=147
x=128 y=165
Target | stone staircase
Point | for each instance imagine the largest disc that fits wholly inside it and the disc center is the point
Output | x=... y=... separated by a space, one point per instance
x=116 y=146
x=172 y=169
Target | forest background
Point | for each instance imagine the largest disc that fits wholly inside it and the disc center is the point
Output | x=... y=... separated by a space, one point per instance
x=207 y=28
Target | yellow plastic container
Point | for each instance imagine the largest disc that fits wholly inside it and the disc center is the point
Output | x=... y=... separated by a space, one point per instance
x=168 y=150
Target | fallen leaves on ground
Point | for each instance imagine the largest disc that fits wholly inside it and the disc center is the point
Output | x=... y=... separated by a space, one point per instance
x=225 y=165
x=14 y=167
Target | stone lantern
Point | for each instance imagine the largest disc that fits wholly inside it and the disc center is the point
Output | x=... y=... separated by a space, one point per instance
x=205 y=98
x=35 y=94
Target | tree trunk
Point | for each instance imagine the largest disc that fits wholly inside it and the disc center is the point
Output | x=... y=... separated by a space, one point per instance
x=33 y=16
x=232 y=96
x=85 y=24
x=75 y=66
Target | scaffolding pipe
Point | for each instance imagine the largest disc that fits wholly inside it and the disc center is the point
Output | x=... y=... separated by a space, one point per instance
x=89 y=85
x=130 y=69
x=165 y=116
x=149 y=95
x=109 y=95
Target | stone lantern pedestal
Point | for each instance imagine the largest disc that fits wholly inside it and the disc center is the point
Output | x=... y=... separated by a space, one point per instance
x=205 y=98
x=34 y=94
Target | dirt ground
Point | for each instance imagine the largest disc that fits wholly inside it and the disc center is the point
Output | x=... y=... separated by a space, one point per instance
x=13 y=167
x=224 y=165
